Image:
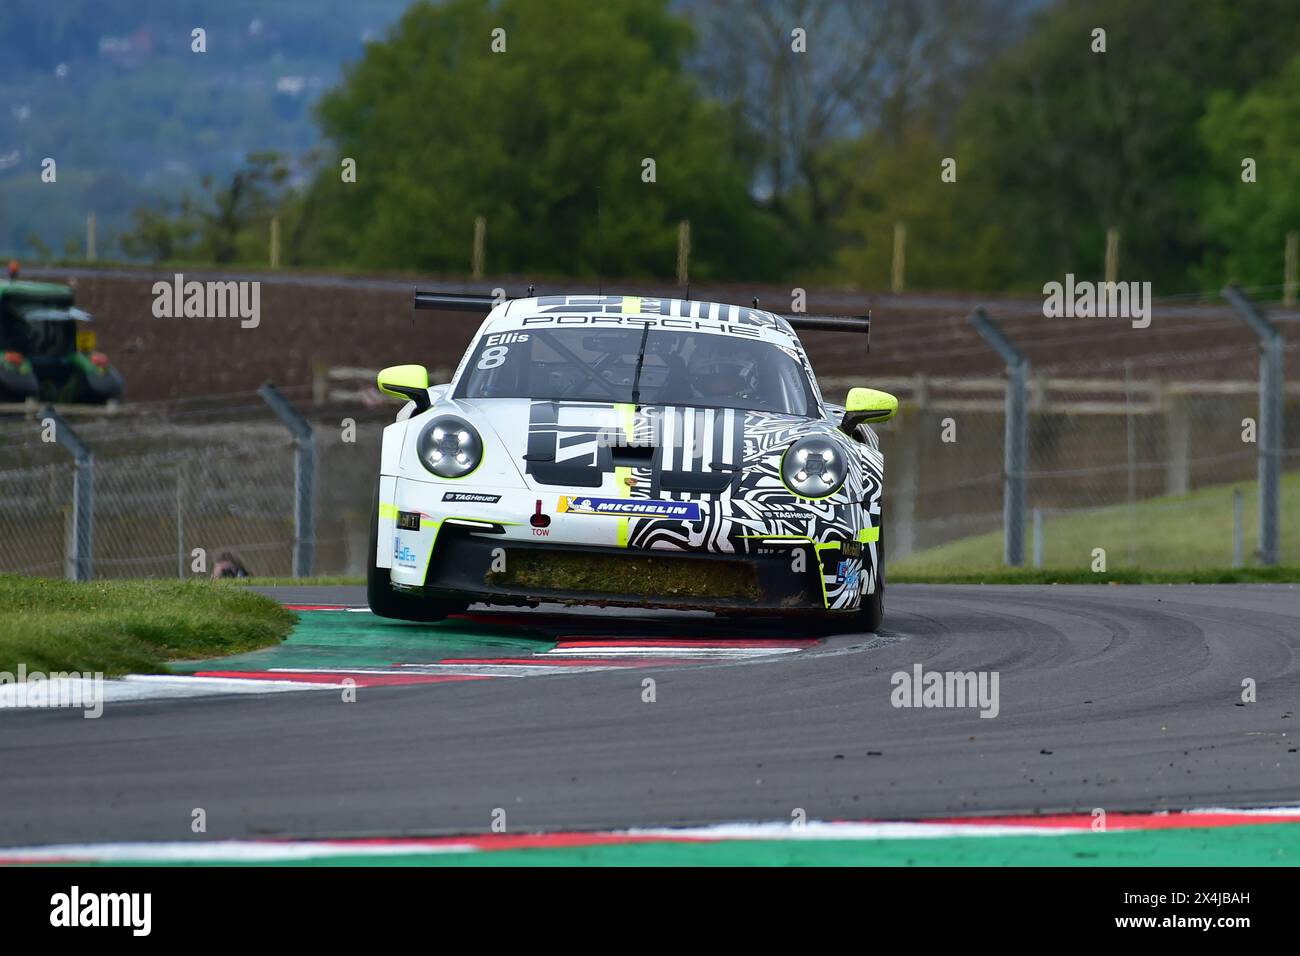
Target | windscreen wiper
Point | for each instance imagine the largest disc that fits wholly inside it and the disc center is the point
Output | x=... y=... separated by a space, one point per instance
x=640 y=361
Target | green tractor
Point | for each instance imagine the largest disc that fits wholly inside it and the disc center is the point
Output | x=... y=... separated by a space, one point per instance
x=47 y=348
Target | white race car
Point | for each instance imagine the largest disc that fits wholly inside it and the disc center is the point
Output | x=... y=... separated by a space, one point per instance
x=620 y=450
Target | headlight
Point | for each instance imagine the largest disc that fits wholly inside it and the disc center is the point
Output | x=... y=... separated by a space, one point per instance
x=450 y=447
x=813 y=468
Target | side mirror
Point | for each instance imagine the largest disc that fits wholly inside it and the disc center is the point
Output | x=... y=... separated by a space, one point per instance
x=407 y=382
x=866 y=406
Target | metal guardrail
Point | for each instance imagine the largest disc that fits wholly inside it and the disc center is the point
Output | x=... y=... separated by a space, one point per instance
x=1016 y=441
x=144 y=487
x=79 y=549
x=1271 y=389
x=152 y=485
x=304 y=512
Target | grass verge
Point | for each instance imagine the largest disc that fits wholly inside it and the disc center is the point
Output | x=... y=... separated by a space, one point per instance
x=1275 y=575
x=1183 y=533
x=120 y=627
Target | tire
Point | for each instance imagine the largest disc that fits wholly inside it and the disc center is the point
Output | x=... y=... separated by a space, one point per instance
x=385 y=602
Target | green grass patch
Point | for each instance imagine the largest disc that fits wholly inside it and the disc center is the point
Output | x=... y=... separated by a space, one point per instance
x=1174 y=533
x=120 y=627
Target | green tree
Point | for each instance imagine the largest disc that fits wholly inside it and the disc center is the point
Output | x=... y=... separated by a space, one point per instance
x=805 y=75
x=443 y=129
x=1072 y=141
x=163 y=232
x=235 y=223
x=951 y=241
x=1247 y=222
x=230 y=223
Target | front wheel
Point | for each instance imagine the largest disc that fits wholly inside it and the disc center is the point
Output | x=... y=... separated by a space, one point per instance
x=872 y=611
x=386 y=602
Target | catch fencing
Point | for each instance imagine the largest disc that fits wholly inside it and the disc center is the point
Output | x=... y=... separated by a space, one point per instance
x=175 y=489
x=1138 y=459
x=1130 y=463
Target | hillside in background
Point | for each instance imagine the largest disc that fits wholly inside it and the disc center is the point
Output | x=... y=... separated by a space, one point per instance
x=112 y=91
x=986 y=145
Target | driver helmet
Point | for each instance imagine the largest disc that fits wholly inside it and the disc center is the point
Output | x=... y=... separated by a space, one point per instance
x=722 y=368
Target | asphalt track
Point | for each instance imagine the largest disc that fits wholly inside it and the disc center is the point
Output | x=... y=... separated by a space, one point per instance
x=1124 y=698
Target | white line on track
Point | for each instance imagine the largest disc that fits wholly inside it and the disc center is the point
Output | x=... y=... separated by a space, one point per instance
x=663 y=651
x=54 y=694
x=252 y=851
x=466 y=670
x=247 y=851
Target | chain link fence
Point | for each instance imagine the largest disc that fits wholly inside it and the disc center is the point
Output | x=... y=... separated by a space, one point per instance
x=1155 y=467
x=179 y=488
x=1156 y=472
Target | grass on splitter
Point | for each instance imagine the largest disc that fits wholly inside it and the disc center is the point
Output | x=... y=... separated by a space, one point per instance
x=120 y=627
x=1169 y=539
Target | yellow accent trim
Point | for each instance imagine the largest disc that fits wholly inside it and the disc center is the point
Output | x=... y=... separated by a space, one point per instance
x=869 y=534
x=871 y=403
x=387 y=510
x=428 y=557
x=627 y=415
x=819 y=545
x=406 y=376
x=620 y=474
x=631 y=305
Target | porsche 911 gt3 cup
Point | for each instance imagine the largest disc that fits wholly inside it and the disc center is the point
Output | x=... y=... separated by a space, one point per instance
x=619 y=450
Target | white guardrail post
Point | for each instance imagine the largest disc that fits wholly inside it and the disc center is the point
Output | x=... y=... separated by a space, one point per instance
x=1016 y=443
x=1271 y=385
x=304 y=513
x=80 y=547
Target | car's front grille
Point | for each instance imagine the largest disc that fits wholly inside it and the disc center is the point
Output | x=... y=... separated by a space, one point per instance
x=468 y=563
x=657 y=574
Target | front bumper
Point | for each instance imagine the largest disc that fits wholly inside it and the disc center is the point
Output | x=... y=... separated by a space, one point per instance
x=489 y=568
x=17 y=383
x=515 y=546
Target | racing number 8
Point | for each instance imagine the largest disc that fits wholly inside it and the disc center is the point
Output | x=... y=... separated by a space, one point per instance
x=493 y=357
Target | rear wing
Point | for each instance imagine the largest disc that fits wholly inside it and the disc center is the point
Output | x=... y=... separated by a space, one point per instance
x=802 y=322
x=483 y=304
x=457 y=301
x=831 y=323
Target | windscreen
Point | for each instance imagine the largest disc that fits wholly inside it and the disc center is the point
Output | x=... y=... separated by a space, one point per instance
x=675 y=368
x=37 y=328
